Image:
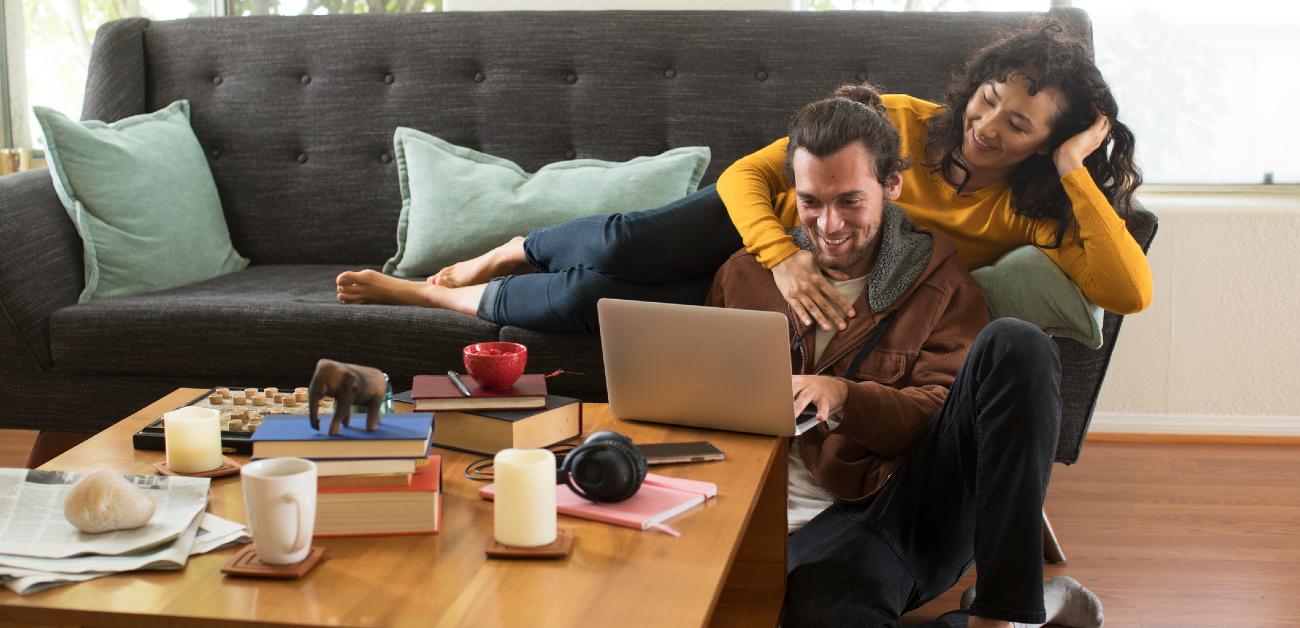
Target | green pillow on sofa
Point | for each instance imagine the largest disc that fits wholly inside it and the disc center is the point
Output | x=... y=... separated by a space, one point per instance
x=458 y=203
x=143 y=199
x=1026 y=284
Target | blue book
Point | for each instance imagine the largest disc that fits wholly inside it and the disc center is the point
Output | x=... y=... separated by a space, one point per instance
x=398 y=436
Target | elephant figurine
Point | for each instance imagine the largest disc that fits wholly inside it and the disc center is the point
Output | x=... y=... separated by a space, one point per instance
x=348 y=384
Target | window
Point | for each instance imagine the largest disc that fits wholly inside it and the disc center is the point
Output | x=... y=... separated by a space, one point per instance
x=57 y=36
x=1208 y=86
x=927 y=5
x=326 y=7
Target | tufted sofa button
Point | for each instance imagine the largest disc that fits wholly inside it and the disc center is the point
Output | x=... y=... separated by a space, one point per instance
x=216 y=153
x=479 y=77
x=216 y=80
x=569 y=153
x=761 y=75
x=862 y=76
x=670 y=73
x=386 y=158
x=388 y=78
x=302 y=158
x=571 y=78
x=305 y=79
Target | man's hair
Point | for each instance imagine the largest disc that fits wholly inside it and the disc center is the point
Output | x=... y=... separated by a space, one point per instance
x=855 y=113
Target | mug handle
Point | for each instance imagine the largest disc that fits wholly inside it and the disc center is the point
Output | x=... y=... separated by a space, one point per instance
x=298 y=541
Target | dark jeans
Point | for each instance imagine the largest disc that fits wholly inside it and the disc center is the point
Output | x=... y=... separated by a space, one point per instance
x=971 y=492
x=667 y=254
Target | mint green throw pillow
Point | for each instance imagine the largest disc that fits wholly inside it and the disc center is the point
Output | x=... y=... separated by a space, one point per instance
x=1026 y=284
x=458 y=203
x=143 y=199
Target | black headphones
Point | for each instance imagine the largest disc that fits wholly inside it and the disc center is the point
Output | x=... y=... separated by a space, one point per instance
x=605 y=468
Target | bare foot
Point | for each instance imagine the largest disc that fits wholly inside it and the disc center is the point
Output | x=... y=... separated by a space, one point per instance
x=507 y=259
x=368 y=286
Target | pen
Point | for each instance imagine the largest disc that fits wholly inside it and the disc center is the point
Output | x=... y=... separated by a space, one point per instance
x=455 y=379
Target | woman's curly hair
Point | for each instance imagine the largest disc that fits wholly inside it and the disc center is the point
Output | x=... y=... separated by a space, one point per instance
x=1049 y=60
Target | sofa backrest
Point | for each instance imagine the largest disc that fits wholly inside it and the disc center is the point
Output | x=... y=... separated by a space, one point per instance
x=297 y=113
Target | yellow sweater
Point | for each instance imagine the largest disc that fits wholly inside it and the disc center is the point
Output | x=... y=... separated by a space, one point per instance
x=1103 y=259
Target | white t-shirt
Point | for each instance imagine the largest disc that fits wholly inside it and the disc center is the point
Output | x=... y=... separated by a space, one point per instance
x=804 y=498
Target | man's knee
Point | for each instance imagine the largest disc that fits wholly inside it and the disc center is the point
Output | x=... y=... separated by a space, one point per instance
x=1021 y=347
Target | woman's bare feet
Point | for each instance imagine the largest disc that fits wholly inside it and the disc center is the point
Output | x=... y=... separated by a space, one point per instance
x=368 y=286
x=507 y=259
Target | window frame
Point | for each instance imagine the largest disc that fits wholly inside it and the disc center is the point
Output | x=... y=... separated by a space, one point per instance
x=6 y=122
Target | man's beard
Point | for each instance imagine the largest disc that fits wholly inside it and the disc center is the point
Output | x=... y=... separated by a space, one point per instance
x=841 y=264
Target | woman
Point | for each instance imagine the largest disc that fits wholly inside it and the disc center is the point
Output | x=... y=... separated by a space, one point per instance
x=1017 y=155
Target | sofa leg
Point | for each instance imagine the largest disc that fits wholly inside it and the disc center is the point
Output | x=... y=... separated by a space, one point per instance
x=50 y=444
x=1052 y=552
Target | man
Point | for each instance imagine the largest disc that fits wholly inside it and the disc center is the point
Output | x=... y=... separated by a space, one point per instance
x=922 y=464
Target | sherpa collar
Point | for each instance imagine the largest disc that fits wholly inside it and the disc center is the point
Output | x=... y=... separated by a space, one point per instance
x=904 y=253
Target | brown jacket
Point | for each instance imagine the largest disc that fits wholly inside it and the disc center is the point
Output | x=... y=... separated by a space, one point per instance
x=903 y=382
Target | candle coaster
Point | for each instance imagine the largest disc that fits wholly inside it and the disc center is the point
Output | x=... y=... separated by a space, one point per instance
x=228 y=467
x=562 y=547
x=246 y=564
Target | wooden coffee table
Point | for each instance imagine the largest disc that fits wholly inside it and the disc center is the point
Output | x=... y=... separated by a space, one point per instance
x=727 y=568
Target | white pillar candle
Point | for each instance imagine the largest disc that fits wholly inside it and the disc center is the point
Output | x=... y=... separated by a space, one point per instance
x=525 y=497
x=193 y=437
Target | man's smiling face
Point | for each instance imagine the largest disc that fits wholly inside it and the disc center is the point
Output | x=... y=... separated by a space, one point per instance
x=841 y=205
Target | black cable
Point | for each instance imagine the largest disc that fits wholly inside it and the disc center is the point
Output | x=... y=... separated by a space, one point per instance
x=481 y=470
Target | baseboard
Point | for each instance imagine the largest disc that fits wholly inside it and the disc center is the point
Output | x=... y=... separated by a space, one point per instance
x=1210 y=425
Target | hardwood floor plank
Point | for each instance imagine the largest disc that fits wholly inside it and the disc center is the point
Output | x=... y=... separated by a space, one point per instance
x=1192 y=535
x=15 y=445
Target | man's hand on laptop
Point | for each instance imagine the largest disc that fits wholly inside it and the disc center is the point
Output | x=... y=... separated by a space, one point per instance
x=826 y=394
x=809 y=294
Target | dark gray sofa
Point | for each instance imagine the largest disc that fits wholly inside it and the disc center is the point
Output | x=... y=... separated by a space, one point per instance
x=297 y=116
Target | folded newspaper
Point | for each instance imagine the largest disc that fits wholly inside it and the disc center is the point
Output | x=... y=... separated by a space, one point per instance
x=39 y=549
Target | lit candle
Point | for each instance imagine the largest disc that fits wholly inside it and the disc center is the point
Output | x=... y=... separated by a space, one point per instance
x=193 y=437
x=525 y=497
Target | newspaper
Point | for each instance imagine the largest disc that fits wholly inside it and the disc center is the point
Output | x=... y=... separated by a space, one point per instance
x=32 y=521
x=24 y=575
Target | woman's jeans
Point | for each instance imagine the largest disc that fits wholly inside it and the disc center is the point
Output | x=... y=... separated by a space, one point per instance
x=668 y=255
x=971 y=492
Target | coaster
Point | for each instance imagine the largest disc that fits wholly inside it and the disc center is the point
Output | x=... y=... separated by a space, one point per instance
x=228 y=467
x=246 y=564
x=562 y=547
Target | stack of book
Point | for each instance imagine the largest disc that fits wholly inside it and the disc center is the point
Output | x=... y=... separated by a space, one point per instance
x=369 y=483
x=487 y=421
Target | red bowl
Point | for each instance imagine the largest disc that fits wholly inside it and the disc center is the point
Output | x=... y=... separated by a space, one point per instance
x=495 y=365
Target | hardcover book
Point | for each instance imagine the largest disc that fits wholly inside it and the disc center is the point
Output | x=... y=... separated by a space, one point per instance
x=437 y=392
x=398 y=436
x=365 y=511
x=490 y=431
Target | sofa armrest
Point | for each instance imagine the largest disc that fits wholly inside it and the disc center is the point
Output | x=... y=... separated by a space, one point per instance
x=41 y=268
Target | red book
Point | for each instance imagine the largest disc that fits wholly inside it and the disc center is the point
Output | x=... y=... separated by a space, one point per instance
x=383 y=510
x=659 y=498
x=437 y=392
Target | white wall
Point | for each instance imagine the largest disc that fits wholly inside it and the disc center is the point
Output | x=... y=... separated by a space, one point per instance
x=1218 y=351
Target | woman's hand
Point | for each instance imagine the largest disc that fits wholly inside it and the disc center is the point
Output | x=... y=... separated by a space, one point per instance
x=809 y=294
x=827 y=394
x=1069 y=156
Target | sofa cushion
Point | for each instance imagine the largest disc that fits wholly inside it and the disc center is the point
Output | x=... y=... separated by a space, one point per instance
x=142 y=197
x=265 y=326
x=458 y=203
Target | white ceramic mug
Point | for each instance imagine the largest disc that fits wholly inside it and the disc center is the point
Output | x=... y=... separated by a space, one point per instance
x=280 y=501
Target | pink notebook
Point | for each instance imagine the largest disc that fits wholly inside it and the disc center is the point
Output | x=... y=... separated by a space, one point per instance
x=659 y=498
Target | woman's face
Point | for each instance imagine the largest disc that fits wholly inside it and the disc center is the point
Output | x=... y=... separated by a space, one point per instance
x=1005 y=125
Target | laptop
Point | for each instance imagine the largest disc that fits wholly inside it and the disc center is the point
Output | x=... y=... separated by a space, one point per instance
x=699 y=366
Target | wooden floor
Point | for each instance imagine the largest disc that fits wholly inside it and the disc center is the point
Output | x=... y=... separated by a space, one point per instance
x=1168 y=534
